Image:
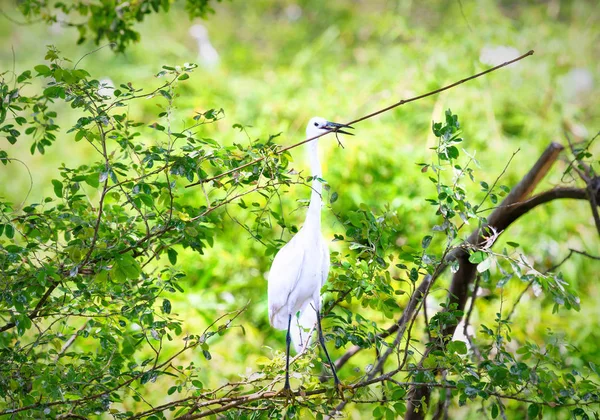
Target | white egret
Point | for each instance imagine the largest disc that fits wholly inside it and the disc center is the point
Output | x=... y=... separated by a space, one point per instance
x=301 y=267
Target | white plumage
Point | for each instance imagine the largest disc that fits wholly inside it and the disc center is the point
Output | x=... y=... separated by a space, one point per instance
x=300 y=268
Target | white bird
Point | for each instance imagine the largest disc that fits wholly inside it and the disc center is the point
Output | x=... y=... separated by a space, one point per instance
x=207 y=54
x=301 y=267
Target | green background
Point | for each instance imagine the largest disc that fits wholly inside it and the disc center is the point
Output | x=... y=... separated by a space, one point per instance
x=283 y=62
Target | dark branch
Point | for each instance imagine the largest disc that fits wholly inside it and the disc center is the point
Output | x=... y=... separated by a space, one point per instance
x=512 y=207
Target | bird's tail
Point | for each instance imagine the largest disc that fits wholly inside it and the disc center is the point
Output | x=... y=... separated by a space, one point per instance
x=303 y=327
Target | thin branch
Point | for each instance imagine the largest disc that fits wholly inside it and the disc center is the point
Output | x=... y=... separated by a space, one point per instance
x=110 y=44
x=371 y=115
x=551 y=269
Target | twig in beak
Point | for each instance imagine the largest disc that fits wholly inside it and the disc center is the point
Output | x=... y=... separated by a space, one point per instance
x=338 y=140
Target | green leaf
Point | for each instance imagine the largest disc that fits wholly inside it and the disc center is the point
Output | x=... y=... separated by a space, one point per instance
x=426 y=241
x=58 y=188
x=42 y=69
x=453 y=152
x=477 y=257
x=184 y=76
x=333 y=198
x=23 y=323
x=166 y=94
x=533 y=410
x=513 y=244
x=172 y=254
x=459 y=347
x=166 y=306
x=9 y=231
x=80 y=134
x=495 y=410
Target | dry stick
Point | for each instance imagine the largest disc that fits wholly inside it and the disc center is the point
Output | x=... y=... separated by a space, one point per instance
x=371 y=115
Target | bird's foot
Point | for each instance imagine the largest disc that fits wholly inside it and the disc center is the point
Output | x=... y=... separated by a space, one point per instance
x=340 y=389
x=287 y=392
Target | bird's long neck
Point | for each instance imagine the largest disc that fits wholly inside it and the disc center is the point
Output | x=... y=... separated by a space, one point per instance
x=313 y=217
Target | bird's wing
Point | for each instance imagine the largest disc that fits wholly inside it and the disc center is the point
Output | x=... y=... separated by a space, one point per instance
x=283 y=278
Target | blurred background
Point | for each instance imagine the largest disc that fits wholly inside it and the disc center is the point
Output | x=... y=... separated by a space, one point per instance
x=272 y=65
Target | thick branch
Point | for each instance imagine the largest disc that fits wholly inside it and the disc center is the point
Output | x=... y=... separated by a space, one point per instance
x=512 y=207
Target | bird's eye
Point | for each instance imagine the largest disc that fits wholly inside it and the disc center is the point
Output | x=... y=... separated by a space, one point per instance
x=316 y=124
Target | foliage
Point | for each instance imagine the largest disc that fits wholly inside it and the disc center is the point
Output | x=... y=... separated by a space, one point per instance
x=86 y=258
x=100 y=264
x=106 y=20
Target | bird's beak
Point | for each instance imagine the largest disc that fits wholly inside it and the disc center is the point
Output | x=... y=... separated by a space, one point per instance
x=336 y=127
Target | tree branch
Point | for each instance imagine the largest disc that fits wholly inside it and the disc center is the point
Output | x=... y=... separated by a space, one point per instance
x=512 y=207
x=371 y=115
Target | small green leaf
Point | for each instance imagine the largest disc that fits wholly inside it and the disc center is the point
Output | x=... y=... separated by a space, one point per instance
x=9 y=231
x=495 y=410
x=513 y=244
x=80 y=134
x=453 y=152
x=58 y=188
x=166 y=94
x=533 y=410
x=333 y=198
x=172 y=254
x=426 y=241
x=459 y=347
x=42 y=69
x=166 y=306
x=477 y=257
x=184 y=76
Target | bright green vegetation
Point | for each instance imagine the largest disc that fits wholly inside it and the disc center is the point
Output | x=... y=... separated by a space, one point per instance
x=165 y=262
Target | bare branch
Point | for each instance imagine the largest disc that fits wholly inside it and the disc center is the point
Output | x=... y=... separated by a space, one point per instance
x=371 y=115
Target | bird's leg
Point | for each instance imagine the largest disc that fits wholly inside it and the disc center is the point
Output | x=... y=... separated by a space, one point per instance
x=288 y=341
x=338 y=384
x=287 y=390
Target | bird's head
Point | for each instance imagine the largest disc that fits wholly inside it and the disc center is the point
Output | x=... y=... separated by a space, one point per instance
x=318 y=125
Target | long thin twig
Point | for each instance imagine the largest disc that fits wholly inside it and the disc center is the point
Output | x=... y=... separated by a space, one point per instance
x=371 y=115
